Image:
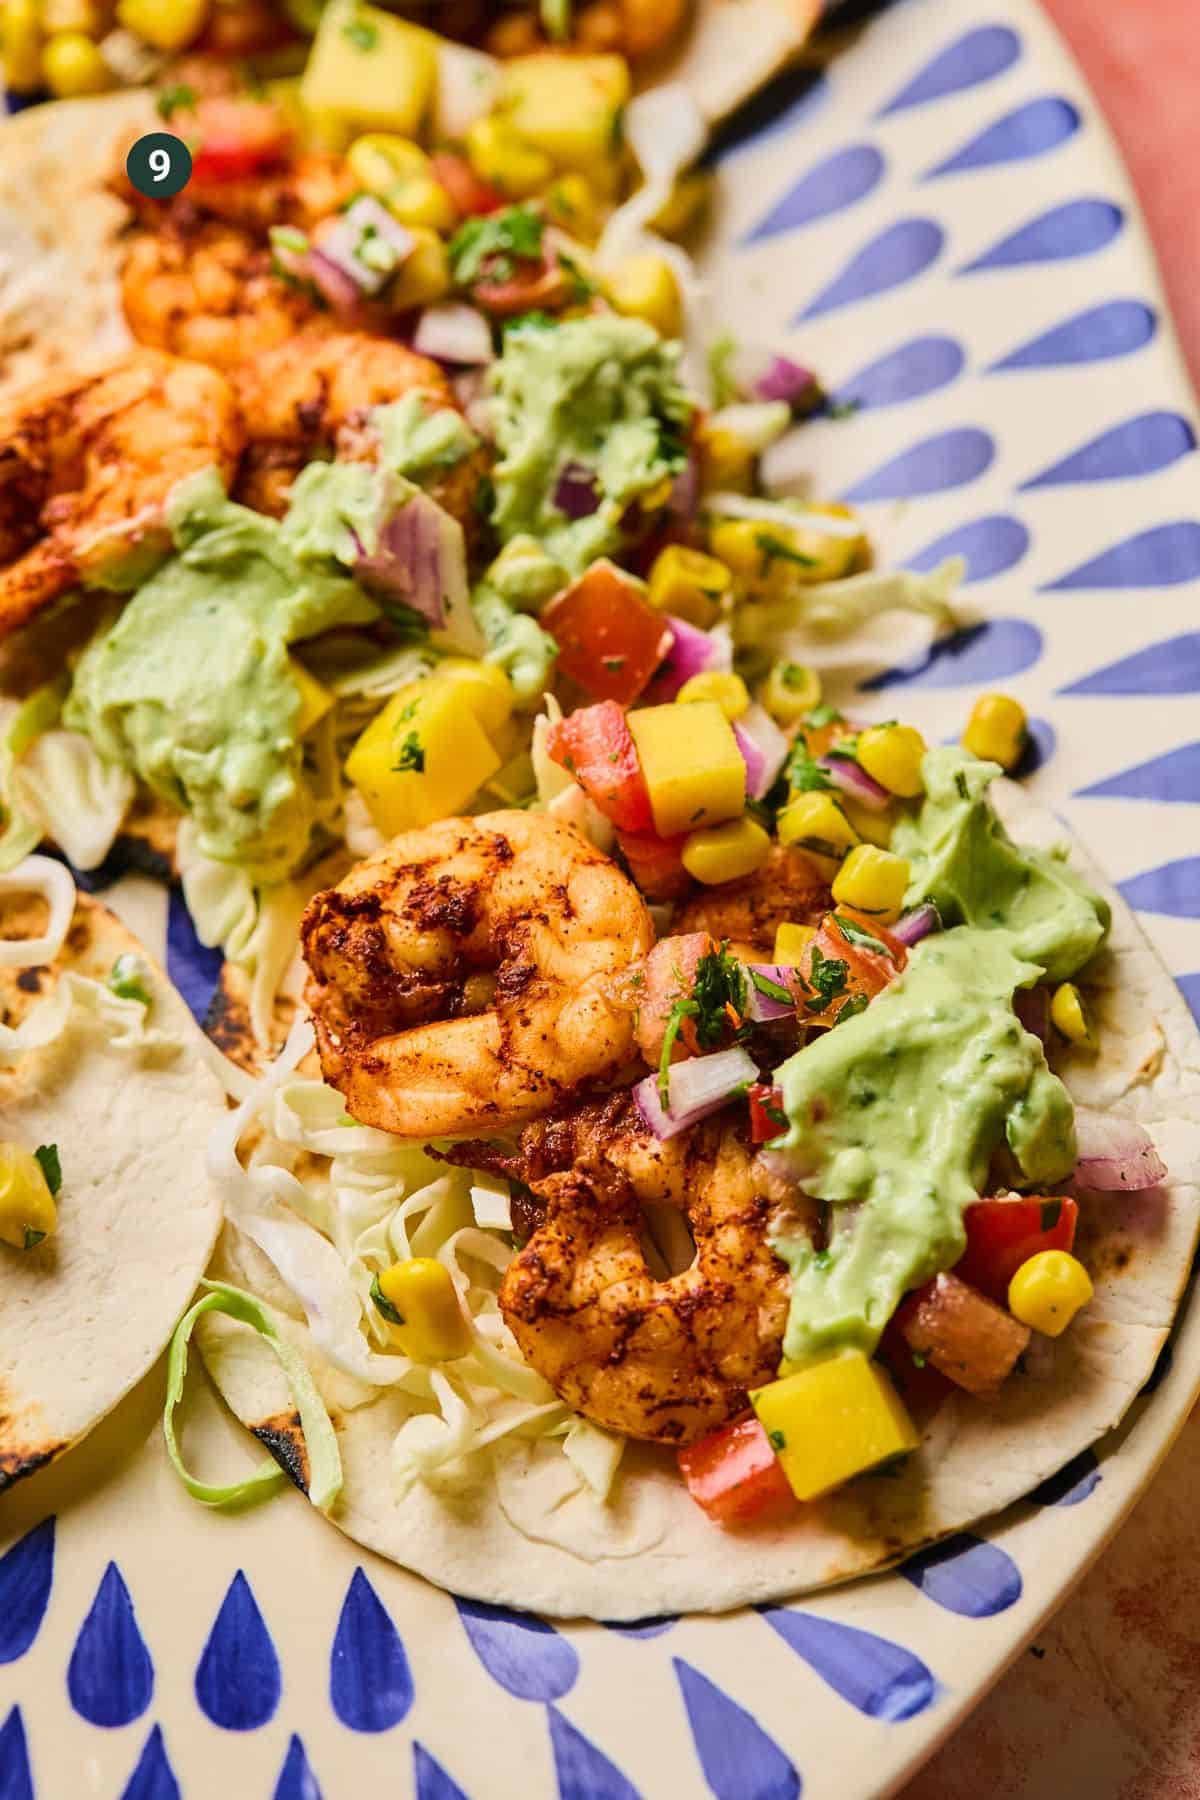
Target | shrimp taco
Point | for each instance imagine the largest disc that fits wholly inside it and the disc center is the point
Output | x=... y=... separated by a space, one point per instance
x=613 y=1265
x=107 y=1217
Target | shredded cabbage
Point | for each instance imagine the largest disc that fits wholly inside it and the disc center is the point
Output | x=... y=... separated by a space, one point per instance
x=55 y=784
x=39 y=875
x=119 y=1021
x=376 y=1199
x=820 y=623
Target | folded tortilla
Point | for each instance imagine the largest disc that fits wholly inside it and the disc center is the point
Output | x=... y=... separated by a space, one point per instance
x=520 y=1529
x=86 y=1314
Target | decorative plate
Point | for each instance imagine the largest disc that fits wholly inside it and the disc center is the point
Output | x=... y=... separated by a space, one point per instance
x=939 y=225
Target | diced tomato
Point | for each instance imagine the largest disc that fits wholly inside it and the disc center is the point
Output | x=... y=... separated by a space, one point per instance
x=594 y=745
x=735 y=1476
x=1005 y=1232
x=964 y=1334
x=237 y=138
x=540 y=286
x=656 y=863
x=919 y=1384
x=865 y=970
x=610 y=639
x=668 y=974
x=469 y=194
x=767 y=1118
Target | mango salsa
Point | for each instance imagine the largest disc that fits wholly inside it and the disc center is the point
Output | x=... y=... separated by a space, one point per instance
x=370 y=69
x=423 y=757
x=832 y=1420
x=569 y=106
x=694 y=775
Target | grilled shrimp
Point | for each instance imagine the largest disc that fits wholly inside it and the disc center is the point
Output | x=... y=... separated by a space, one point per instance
x=662 y=1359
x=87 y=462
x=301 y=191
x=208 y=292
x=466 y=978
x=747 y=912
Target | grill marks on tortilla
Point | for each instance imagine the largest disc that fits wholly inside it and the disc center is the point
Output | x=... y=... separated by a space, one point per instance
x=284 y=1438
x=23 y=1449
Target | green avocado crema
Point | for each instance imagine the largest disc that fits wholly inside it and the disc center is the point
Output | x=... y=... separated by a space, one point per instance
x=601 y=393
x=894 y=1117
x=192 y=687
x=962 y=859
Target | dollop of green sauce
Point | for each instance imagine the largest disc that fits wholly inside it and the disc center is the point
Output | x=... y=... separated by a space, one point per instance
x=417 y=441
x=191 y=687
x=894 y=1117
x=963 y=860
x=602 y=393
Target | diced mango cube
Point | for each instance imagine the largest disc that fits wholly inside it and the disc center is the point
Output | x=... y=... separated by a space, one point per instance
x=689 y=584
x=726 y=852
x=315 y=698
x=484 y=687
x=694 y=776
x=570 y=107
x=421 y=758
x=644 y=287
x=425 y=272
x=833 y=1420
x=792 y=942
x=500 y=155
x=371 y=68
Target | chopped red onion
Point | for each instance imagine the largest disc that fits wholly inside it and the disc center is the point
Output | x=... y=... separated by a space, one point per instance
x=764 y=749
x=1115 y=1155
x=912 y=926
x=455 y=333
x=1032 y=1007
x=791 y=1166
x=576 y=492
x=695 y=1088
x=763 y=1007
x=755 y=423
x=767 y=376
x=471 y=391
x=693 y=653
x=419 y=561
x=339 y=290
x=853 y=780
x=349 y=240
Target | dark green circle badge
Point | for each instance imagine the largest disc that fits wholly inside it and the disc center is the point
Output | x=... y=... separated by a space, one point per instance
x=159 y=165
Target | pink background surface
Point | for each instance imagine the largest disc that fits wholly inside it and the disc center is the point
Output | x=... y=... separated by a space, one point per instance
x=1106 y=1706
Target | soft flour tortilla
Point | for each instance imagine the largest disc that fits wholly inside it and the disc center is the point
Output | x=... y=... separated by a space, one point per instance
x=86 y=1314
x=520 y=1530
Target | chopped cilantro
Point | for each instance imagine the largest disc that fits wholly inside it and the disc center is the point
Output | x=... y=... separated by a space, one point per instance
x=47 y=1155
x=613 y=664
x=391 y=1313
x=858 y=934
x=773 y=549
x=1051 y=1214
x=493 y=243
x=125 y=979
x=773 y=990
x=843 y=409
x=827 y=977
x=411 y=757
x=960 y=782
x=850 y=1009
x=717 y=985
x=823 y=1259
x=777 y=1440
x=361 y=33
x=180 y=98
x=795 y=675
x=820 y=716
x=721 y=353
x=804 y=774
x=31 y=1238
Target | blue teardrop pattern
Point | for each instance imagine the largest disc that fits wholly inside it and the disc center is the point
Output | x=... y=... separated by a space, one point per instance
x=432 y=1781
x=1138 y=446
x=296 y=1779
x=1171 y=666
x=1189 y=987
x=1076 y=228
x=1163 y=556
x=937 y=464
x=994 y=650
x=1173 y=777
x=645 y=1628
x=1031 y=130
x=26 y=1577
x=526 y=1656
x=153 y=1778
x=877 y=1677
x=110 y=1677
x=1172 y=889
x=912 y=370
x=16 y=1780
x=899 y=254
x=739 y=1760
x=1073 y=1482
x=965 y=1575
x=581 y=1771
x=792 y=98
x=830 y=186
x=370 y=1682
x=989 y=546
x=1041 y=740
x=1099 y=334
x=979 y=56
x=193 y=967
x=238 y=1683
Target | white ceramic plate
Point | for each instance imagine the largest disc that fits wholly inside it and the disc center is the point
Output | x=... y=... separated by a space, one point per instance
x=940 y=226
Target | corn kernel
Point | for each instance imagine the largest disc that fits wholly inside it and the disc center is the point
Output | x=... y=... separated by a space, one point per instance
x=726 y=852
x=27 y=1210
x=726 y=466
x=315 y=698
x=72 y=65
x=401 y=175
x=792 y=942
x=694 y=777
x=421 y=758
x=21 y=45
x=1047 y=1291
x=421 y=1304
x=1069 y=1016
x=996 y=730
x=816 y=823
x=484 y=688
x=772 y=559
x=497 y=154
x=688 y=584
x=644 y=287
x=164 y=24
x=872 y=827
x=424 y=274
x=891 y=755
x=832 y=1420
x=728 y=690
x=790 y=691
x=571 y=205
x=873 y=881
